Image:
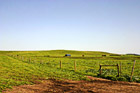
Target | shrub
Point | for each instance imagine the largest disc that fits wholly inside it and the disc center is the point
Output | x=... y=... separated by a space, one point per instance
x=138 y=81
x=127 y=77
x=122 y=79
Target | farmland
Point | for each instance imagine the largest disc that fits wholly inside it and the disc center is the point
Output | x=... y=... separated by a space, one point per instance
x=29 y=67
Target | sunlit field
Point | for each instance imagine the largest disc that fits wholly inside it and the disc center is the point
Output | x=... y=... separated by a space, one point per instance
x=29 y=67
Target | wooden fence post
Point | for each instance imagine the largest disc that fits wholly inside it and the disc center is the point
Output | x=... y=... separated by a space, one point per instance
x=132 y=70
x=118 y=70
x=60 y=64
x=100 y=69
x=75 y=66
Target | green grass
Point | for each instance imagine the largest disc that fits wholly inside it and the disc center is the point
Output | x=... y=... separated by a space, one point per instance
x=46 y=64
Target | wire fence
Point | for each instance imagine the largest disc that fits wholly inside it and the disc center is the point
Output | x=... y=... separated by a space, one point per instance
x=86 y=66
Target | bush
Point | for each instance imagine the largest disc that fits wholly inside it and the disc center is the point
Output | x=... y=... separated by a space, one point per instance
x=114 y=78
x=138 y=81
x=126 y=76
x=109 y=77
x=135 y=78
x=122 y=79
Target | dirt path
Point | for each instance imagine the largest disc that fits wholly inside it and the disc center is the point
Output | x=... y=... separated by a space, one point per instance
x=97 y=85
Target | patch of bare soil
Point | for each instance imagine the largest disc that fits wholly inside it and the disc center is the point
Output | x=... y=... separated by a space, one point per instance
x=96 y=85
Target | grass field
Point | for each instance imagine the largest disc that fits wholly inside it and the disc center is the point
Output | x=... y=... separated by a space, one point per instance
x=29 y=67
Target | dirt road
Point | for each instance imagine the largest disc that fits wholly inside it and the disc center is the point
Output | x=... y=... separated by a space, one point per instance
x=96 y=85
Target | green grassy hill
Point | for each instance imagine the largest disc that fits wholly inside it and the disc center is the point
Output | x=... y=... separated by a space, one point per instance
x=32 y=66
x=60 y=53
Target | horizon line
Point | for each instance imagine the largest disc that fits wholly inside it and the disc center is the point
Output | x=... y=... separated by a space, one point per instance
x=65 y=50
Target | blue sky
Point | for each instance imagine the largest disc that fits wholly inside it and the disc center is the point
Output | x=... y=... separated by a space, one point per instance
x=93 y=25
